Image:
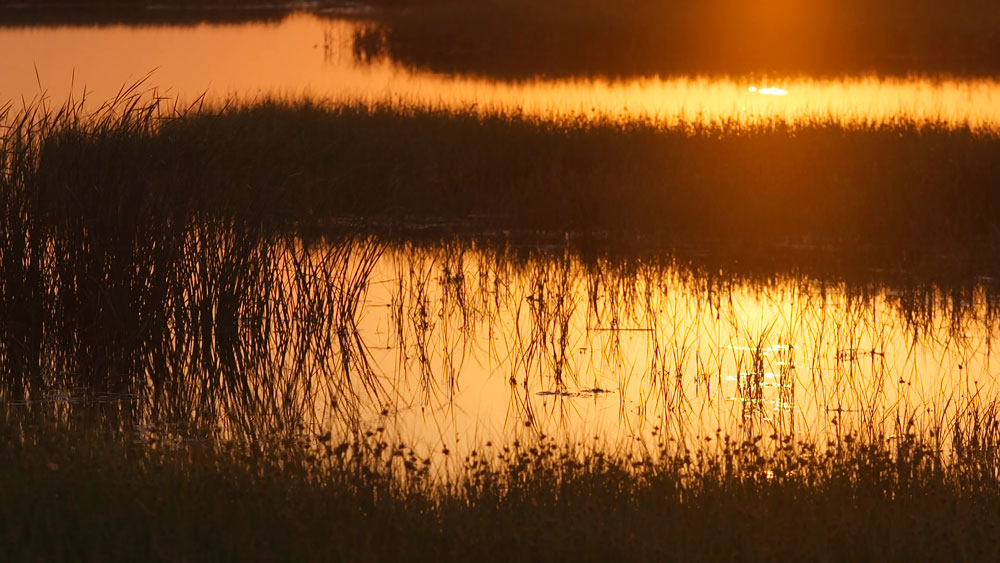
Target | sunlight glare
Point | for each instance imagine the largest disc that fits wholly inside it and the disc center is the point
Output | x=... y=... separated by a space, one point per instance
x=770 y=91
x=232 y=62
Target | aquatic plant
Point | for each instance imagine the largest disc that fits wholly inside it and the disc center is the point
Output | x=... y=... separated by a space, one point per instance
x=156 y=496
x=898 y=191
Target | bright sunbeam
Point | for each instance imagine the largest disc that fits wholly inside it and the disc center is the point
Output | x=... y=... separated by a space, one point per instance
x=769 y=91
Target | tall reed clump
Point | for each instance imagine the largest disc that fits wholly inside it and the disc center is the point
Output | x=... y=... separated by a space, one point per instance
x=904 y=188
x=900 y=189
x=120 y=279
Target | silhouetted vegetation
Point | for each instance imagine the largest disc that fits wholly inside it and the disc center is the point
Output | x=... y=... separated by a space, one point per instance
x=185 y=372
x=75 y=492
x=517 y=39
x=182 y=374
x=521 y=38
x=147 y=12
x=901 y=190
x=111 y=286
x=136 y=246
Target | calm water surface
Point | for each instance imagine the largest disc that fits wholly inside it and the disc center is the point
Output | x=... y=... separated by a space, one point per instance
x=454 y=346
x=304 y=55
x=468 y=346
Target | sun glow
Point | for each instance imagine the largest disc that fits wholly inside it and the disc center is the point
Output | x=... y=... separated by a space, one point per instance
x=770 y=91
x=247 y=62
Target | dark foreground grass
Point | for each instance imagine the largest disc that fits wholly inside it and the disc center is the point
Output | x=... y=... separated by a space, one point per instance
x=902 y=189
x=73 y=492
x=522 y=38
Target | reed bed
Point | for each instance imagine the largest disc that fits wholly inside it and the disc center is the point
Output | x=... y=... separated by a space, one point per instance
x=137 y=298
x=240 y=334
x=74 y=492
x=134 y=236
x=183 y=373
x=663 y=351
x=899 y=191
x=522 y=39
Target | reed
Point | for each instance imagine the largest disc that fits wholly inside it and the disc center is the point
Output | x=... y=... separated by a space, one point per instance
x=183 y=374
x=365 y=499
x=112 y=290
x=899 y=191
x=140 y=243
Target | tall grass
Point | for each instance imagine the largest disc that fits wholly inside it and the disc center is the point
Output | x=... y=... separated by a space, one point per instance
x=140 y=244
x=903 y=190
x=685 y=352
x=522 y=39
x=117 y=285
x=365 y=499
x=183 y=376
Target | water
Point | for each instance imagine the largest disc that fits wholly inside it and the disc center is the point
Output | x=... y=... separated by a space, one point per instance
x=469 y=346
x=453 y=345
x=306 y=55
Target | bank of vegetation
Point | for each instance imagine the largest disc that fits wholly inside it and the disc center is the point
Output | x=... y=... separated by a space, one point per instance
x=899 y=189
x=167 y=318
x=520 y=38
x=75 y=491
x=517 y=39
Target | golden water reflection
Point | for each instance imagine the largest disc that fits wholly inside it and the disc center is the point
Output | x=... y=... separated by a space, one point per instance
x=304 y=55
x=457 y=344
x=472 y=346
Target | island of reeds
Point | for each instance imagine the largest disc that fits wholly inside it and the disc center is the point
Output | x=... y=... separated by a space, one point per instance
x=518 y=39
x=904 y=190
x=180 y=289
x=521 y=39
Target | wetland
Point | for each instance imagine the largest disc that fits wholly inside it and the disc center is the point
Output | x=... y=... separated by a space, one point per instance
x=353 y=282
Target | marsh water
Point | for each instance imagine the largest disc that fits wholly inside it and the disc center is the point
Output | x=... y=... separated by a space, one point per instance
x=303 y=55
x=467 y=345
x=453 y=343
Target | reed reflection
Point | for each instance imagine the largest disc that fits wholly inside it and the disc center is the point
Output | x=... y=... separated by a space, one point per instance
x=454 y=344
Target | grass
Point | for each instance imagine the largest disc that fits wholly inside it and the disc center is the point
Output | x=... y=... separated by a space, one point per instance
x=135 y=236
x=103 y=477
x=111 y=287
x=173 y=295
x=900 y=190
x=73 y=492
x=521 y=39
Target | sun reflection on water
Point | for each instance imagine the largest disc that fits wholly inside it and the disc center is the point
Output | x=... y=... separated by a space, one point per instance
x=473 y=348
x=768 y=91
x=304 y=55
